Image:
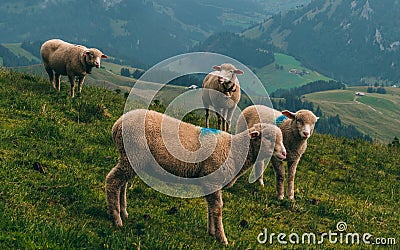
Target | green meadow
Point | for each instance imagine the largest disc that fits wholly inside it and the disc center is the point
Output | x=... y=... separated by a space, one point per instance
x=274 y=78
x=64 y=206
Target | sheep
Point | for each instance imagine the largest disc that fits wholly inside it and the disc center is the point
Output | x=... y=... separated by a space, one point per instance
x=138 y=134
x=222 y=80
x=62 y=58
x=296 y=129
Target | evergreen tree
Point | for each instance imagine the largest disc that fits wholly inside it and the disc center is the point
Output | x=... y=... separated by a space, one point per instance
x=125 y=72
x=381 y=90
x=395 y=142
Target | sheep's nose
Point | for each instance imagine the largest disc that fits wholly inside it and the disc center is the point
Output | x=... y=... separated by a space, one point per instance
x=306 y=134
x=284 y=154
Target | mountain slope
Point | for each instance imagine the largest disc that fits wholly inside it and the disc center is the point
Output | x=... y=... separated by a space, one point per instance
x=145 y=31
x=337 y=180
x=376 y=115
x=346 y=39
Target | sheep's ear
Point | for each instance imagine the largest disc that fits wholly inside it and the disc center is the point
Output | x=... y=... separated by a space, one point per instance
x=289 y=114
x=103 y=56
x=216 y=67
x=238 y=72
x=254 y=134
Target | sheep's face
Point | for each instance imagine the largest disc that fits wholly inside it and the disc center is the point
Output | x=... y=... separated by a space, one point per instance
x=226 y=74
x=303 y=122
x=269 y=139
x=93 y=57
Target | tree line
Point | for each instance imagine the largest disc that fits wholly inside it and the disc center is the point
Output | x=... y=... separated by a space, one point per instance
x=312 y=87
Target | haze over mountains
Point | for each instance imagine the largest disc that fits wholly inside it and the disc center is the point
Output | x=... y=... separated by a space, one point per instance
x=146 y=30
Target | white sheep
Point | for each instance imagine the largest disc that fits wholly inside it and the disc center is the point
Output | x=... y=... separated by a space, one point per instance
x=222 y=80
x=233 y=155
x=62 y=58
x=296 y=129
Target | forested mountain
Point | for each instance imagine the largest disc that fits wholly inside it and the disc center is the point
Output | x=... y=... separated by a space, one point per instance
x=248 y=51
x=349 y=40
x=145 y=31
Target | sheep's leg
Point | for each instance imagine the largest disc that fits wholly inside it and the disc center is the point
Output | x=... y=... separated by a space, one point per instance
x=58 y=80
x=259 y=172
x=116 y=182
x=215 y=226
x=279 y=177
x=220 y=119
x=292 y=166
x=72 y=82
x=207 y=118
x=113 y=190
x=51 y=76
x=80 y=83
x=228 y=119
x=122 y=201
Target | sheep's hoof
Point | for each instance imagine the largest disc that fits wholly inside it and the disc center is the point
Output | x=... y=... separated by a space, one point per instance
x=224 y=240
x=118 y=223
x=280 y=197
x=261 y=181
x=124 y=214
x=117 y=219
x=291 y=197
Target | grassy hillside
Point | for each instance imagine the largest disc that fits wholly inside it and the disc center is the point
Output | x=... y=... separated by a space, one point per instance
x=274 y=78
x=17 y=50
x=374 y=114
x=108 y=77
x=337 y=180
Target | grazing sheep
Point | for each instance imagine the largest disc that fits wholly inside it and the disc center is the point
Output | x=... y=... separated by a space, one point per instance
x=62 y=58
x=225 y=81
x=296 y=129
x=233 y=155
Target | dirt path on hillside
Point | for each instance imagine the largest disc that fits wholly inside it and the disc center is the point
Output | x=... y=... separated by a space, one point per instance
x=369 y=106
x=355 y=102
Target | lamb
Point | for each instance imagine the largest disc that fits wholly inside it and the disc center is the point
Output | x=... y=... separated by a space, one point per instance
x=62 y=58
x=222 y=80
x=138 y=136
x=296 y=129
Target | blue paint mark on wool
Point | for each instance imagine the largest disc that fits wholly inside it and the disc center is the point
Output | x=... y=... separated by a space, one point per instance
x=208 y=131
x=280 y=119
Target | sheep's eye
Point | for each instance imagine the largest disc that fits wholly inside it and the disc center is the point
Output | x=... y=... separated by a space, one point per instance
x=299 y=121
